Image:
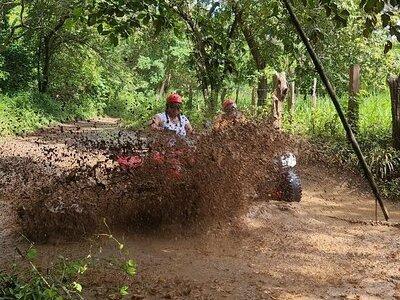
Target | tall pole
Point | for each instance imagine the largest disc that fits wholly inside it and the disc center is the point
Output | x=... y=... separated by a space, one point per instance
x=332 y=94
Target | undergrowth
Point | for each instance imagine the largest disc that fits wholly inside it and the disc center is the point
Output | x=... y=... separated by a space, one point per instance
x=27 y=112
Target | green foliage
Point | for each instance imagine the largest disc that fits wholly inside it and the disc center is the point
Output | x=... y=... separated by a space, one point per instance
x=26 y=112
x=135 y=108
x=375 y=14
x=75 y=74
x=69 y=270
x=340 y=48
x=383 y=162
x=130 y=267
x=201 y=45
x=3 y=74
x=31 y=254
x=123 y=291
x=14 y=287
x=17 y=70
x=64 y=279
x=391 y=189
x=60 y=282
x=77 y=286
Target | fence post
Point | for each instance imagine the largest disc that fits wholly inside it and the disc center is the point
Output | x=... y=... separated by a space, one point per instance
x=353 y=104
x=292 y=100
x=314 y=94
x=394 y=86
x=254 y=96
x=278 y=96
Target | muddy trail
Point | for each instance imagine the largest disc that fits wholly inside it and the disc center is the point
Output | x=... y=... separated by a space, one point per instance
x=212 y=233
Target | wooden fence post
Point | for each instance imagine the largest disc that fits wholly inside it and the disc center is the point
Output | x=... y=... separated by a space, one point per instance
x=353 y=104
x=254 y=96
x=314 y=94
x=292 y=100
x=278 y=96
x=394 y=86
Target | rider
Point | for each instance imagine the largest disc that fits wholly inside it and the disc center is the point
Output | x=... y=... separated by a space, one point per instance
x=172 y=119
x=231 y=115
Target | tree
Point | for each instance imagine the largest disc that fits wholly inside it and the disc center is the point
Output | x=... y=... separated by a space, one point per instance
x=257 y=54
x=41 y=24
x=209 y=25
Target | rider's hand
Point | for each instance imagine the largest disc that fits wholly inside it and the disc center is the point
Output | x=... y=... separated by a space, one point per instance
x=168 y=130
x=156 y=127
x=156 y=124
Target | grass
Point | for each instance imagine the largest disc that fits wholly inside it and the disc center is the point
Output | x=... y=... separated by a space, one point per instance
x=27 y=112
x=323 y=121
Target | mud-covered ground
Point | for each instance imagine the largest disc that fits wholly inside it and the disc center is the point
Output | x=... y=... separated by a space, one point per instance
x=219 y=239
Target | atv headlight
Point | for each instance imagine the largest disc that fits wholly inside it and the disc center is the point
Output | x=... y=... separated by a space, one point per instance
x=288 y=160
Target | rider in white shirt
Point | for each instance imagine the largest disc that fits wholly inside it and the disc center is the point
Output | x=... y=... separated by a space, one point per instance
x=172 y=119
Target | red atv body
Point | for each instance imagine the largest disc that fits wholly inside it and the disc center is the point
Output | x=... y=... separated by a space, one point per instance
x=172 y=161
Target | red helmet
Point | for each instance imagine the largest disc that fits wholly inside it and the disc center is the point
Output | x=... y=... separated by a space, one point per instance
x=228 y=103
x=174 y=99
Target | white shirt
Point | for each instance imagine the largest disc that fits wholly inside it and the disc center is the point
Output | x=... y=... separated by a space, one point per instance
x=179 y=127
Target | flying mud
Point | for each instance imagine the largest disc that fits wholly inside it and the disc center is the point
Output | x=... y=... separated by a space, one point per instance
x=72 y=189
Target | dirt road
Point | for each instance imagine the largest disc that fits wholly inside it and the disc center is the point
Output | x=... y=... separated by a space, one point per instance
x=324 y=247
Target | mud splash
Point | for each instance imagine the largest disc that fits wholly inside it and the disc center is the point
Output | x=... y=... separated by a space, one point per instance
x=220 y=175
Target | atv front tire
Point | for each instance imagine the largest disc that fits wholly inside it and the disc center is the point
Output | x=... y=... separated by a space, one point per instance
x=290 y=187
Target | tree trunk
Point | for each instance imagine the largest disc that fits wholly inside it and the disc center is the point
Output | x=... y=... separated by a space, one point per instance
x=278 y=96
x=206 y=92
x=44 y=50
x=44 y=85
x=353 y=105
x=190 y=100
x=43 y=64
x=237 y=94
x=39 y=64
x=394 y=86
x=164 y=86
x=212 y=101
x=257 y=56
x=223 y=94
